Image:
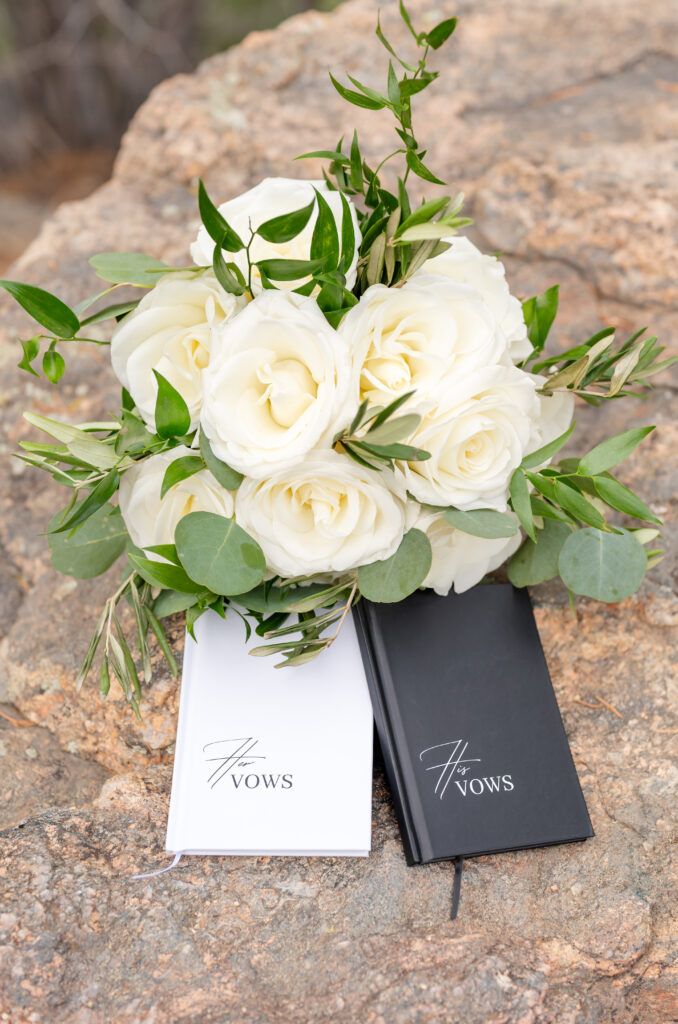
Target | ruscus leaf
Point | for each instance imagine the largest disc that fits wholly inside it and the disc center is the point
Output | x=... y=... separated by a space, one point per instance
x=44 y=307
x=172 y=418
x=612 y=451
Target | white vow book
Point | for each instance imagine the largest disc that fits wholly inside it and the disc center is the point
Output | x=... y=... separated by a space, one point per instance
x=271 y=761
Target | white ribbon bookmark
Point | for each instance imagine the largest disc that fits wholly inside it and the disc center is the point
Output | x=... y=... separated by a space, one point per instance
x=161 y=871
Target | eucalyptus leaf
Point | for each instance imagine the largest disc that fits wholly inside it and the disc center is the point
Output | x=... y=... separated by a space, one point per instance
x=396 y=577
x=93 y=548
x=169 y=602
x=128 y=268
x=217 y=553
x=537 y=561
x=605 y=566
x=481 y=522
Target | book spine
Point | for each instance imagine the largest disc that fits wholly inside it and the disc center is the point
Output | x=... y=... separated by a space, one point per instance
x=177 y=801
x=389 y=728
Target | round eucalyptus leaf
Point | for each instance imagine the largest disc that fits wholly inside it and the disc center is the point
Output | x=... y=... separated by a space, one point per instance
x=94 y=546
x=605 y=566
x=394 y=578
x=537 y=561
x=218 y=554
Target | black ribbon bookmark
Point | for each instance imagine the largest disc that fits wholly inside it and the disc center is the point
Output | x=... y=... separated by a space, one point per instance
x=456 y=886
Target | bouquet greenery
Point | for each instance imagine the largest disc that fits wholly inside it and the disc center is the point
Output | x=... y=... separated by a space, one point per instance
x=340 y=398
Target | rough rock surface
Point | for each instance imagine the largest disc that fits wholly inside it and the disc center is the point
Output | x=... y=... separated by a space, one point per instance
x=559 y=121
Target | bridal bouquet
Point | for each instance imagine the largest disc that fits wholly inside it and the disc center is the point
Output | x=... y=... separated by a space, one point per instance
x=339 y=398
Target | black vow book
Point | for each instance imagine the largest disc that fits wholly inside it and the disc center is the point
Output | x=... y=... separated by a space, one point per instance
x=473 y=743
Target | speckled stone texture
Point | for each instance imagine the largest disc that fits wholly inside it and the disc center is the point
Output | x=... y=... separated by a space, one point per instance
x=559 y=121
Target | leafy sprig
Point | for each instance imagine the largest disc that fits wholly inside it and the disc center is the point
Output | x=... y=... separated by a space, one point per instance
x=381 y=443
x=594 y=370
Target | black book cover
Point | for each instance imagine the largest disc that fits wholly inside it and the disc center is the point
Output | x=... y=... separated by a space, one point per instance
x=472 y=738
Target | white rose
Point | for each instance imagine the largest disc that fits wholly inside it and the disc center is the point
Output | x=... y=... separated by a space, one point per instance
x=170 y=331
x=273 y=197
x=152 y=520
x=278 y=384
x=409 y=338
x=460 y=559
x=326 y=514
x=464 y=263
x=477 y=435
x=555 y=415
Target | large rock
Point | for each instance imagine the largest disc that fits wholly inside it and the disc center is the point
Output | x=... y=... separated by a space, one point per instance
x=559 y=121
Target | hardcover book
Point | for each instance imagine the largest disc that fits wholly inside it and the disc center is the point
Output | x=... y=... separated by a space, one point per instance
x=472 y=738
x=271 y=762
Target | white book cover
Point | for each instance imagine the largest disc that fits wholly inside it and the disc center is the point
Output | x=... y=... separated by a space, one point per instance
x=271 y=761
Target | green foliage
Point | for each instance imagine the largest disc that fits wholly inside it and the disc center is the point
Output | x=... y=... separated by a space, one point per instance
x=102 y=491
x=571 y=500
x=135 y=268
x=394 y=244
x=596 y=371
x=287 y=226
x=172 y=418
x=604 y=566
x=165 y=575
x=398 y=576
x=380 y=444
x=564 y=508
x=180 y=470
x=93 y=548
x=53 y=364
x=539 y=313
x=221 y=233
x=222 y=473
x=481 y=522
x=47 y=309
x=608 y=454
x=217 y=553
x=537 y=561
x=228 y=275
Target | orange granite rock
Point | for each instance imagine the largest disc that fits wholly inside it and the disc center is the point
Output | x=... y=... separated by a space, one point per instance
x=559 y=121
